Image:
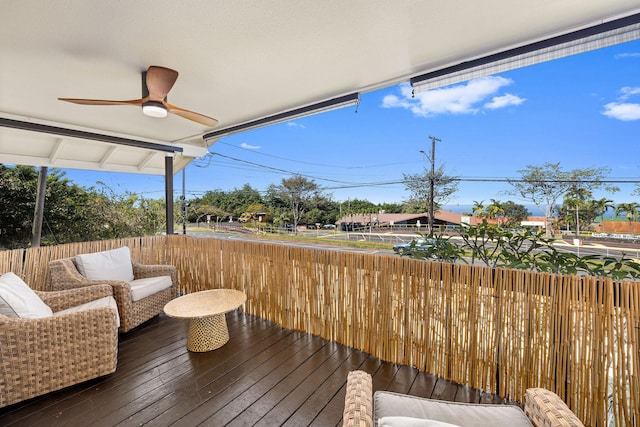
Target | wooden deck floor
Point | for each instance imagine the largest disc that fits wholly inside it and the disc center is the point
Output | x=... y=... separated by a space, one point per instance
x=264 y=376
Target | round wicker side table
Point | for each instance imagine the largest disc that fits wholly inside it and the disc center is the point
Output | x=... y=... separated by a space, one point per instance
x=206 y=312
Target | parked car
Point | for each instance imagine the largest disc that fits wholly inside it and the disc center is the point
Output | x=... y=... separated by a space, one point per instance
x=415 y=245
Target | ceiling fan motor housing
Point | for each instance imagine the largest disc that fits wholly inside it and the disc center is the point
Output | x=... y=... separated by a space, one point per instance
x=151 y=108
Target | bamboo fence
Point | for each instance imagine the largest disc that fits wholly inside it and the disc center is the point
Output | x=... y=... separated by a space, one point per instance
x=497 y=330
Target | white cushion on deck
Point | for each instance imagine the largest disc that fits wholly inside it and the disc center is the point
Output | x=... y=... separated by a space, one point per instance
x=97 y=303
x=411 y=422
x=389 y=404
x=142 y=288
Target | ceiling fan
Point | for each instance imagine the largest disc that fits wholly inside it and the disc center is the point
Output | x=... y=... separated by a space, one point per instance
x=156 y=84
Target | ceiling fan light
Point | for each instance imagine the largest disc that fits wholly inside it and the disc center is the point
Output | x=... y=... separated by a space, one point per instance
x=154 y=109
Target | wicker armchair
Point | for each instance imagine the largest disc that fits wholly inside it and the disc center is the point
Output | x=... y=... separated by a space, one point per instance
x=38 y=356
x=65 y=275
x=542 y=407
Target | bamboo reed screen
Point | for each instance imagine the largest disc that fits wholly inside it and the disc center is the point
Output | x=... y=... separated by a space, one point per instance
x=501 y=331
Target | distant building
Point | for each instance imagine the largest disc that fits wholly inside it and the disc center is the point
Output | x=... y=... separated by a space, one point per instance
x=441 y=218
x=535 y=221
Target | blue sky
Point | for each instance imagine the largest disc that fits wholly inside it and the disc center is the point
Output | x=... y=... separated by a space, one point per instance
x=582 y=111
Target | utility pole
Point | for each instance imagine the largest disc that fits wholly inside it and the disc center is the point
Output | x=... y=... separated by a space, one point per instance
x=432 y=178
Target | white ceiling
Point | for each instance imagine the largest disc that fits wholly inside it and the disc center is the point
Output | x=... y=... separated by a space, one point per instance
x=238 y=61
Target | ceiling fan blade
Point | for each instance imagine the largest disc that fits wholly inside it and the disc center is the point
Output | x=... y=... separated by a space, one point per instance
x=159 y=81
x=191 y=115
x=102 y=101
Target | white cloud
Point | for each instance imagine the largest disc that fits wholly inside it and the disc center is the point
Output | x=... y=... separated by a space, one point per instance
x=295 y=125
x=461 y=99
x=622 y=111
x=249 y=147
x=504 y=101
x=391 y=101
x=627 y=92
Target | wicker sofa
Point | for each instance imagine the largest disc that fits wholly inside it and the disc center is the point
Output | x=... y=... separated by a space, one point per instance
x=40 y=355
x=65 y=275
x=541 y=408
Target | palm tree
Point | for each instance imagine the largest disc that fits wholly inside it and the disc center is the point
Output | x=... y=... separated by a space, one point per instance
x=478 y=208
x=600 y=206
x=631 y=210
x=495 y=210
x=576 y=205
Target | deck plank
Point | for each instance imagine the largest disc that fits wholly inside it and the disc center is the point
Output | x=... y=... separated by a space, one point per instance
x=265 y=376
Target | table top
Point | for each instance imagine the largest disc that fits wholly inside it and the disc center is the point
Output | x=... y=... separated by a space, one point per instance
x=205 y=303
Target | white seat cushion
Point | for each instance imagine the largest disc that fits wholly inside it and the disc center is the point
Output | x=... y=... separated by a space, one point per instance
x=106 y=265
x=411 y=422
x=97 y=303
x=17 y=299
x=142 y=288
x=389 y=404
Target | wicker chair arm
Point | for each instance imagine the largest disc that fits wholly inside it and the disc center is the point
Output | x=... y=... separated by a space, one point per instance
x=65 y=275
x=142 y=271
x=545 y=409
x=58 y=328
x=60 y=300
x=358 y=403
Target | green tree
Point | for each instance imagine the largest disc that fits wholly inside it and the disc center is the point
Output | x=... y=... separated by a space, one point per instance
x=68 y=210
x=325 y=210
x=359 y=206
x=17 y=202
x=390 y=207
x=295 y=192
x=71 y=213
x=577 y=211
x=496 y=211
x=200 y=212
x=477 y=209
x=125 y=214
x=514 y=213
x=630 y=210
x=544 y=185
x=234 y=202
x=418 y=185
x=601 y=206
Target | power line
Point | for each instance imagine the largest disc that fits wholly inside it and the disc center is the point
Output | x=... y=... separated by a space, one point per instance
x=279 y=170
x=312 y=163
x=254 y=166
x=551 y=181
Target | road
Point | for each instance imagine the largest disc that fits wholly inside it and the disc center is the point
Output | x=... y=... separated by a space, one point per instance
x=318 y=245
x=585 y=248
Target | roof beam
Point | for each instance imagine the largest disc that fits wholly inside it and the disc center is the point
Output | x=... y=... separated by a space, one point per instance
x=107 y=157
x=56 y=149
x=146 y=161
x=74 y=133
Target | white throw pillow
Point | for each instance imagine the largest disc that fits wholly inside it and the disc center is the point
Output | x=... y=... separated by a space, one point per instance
x=17 y=299
x=106 y=265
